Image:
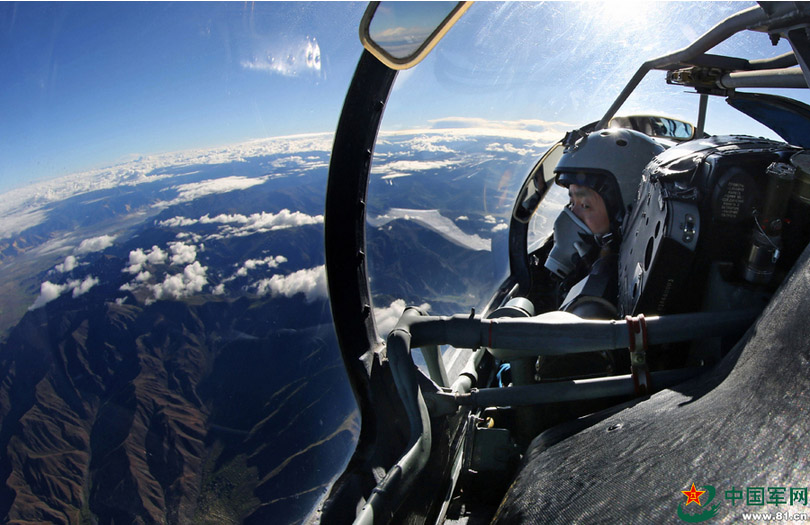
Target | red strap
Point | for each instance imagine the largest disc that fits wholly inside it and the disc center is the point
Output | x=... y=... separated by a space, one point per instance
x=638 y=358
x=632 y=329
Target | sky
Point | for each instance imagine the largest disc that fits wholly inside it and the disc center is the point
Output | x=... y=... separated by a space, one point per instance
x=87 y=85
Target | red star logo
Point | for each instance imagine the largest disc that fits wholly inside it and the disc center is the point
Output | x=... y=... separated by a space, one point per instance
x=693 y=495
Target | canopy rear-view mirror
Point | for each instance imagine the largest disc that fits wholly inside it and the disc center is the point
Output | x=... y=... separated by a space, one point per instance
x=401 y=34
x=657 y=127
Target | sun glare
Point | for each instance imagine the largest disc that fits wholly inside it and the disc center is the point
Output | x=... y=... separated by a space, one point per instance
x=615 y=16
x=630 y=22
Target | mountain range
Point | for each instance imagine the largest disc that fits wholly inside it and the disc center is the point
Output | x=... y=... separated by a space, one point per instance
x=167 y=352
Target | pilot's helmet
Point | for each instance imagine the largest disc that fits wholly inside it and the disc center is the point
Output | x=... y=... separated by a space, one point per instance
x=609 y=161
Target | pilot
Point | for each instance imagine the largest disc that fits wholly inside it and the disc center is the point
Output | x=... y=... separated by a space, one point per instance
x=602 y=171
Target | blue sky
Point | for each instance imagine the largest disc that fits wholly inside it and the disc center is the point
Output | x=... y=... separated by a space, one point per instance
x=92 y=84
x=87 y=84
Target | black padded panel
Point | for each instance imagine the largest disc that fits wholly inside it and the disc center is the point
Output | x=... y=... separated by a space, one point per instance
x=743 y=424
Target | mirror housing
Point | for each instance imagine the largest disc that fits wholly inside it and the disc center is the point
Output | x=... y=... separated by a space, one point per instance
x=656 y=127
x=401 y=34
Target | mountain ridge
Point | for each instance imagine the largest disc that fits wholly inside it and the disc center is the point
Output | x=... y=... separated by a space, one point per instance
x=107 y=409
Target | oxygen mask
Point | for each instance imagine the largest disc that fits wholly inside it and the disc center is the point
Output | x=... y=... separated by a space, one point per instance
x=570 y=243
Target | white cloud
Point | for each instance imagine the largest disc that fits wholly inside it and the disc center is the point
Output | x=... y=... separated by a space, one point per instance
x=399 y=33
x=395 y=176
x=177 y=222
x=20 y=220
x=137 y=258
x=529 y=137
x=182 y=253
x=81 y=288
x=49 y=291
x=533 y=126
x=508 y=148
x=156 y=256
x=128 y=287
x=310 y=281
x=403 y=168
x=219 y=289
x=500 y=227
x=195 y=190
x=58 y=244
x=386 y=318
x=69 y=264
x=252 y=264
x=286 y=162
x=274 y=221
x=462 y=218
x=95 y=244
x=238 y=225
x=435 y=221
x=22 y=208
x=428 y=143
x=191 y=281
x=193 y=237
x=489 y=219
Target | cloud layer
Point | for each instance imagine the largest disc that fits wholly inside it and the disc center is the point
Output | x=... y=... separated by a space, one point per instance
x=435 y=221
x=23 y=208
x=190 y=281
x=138 y=257
x=182 y=253
x=195 y=190
x=156 y=276
x=404 y=168
x=95 y=244
x=69 y=264
x=238 y=225
x=310 y=281
x=268 y=262
x=49 y=291
x=91 y=245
